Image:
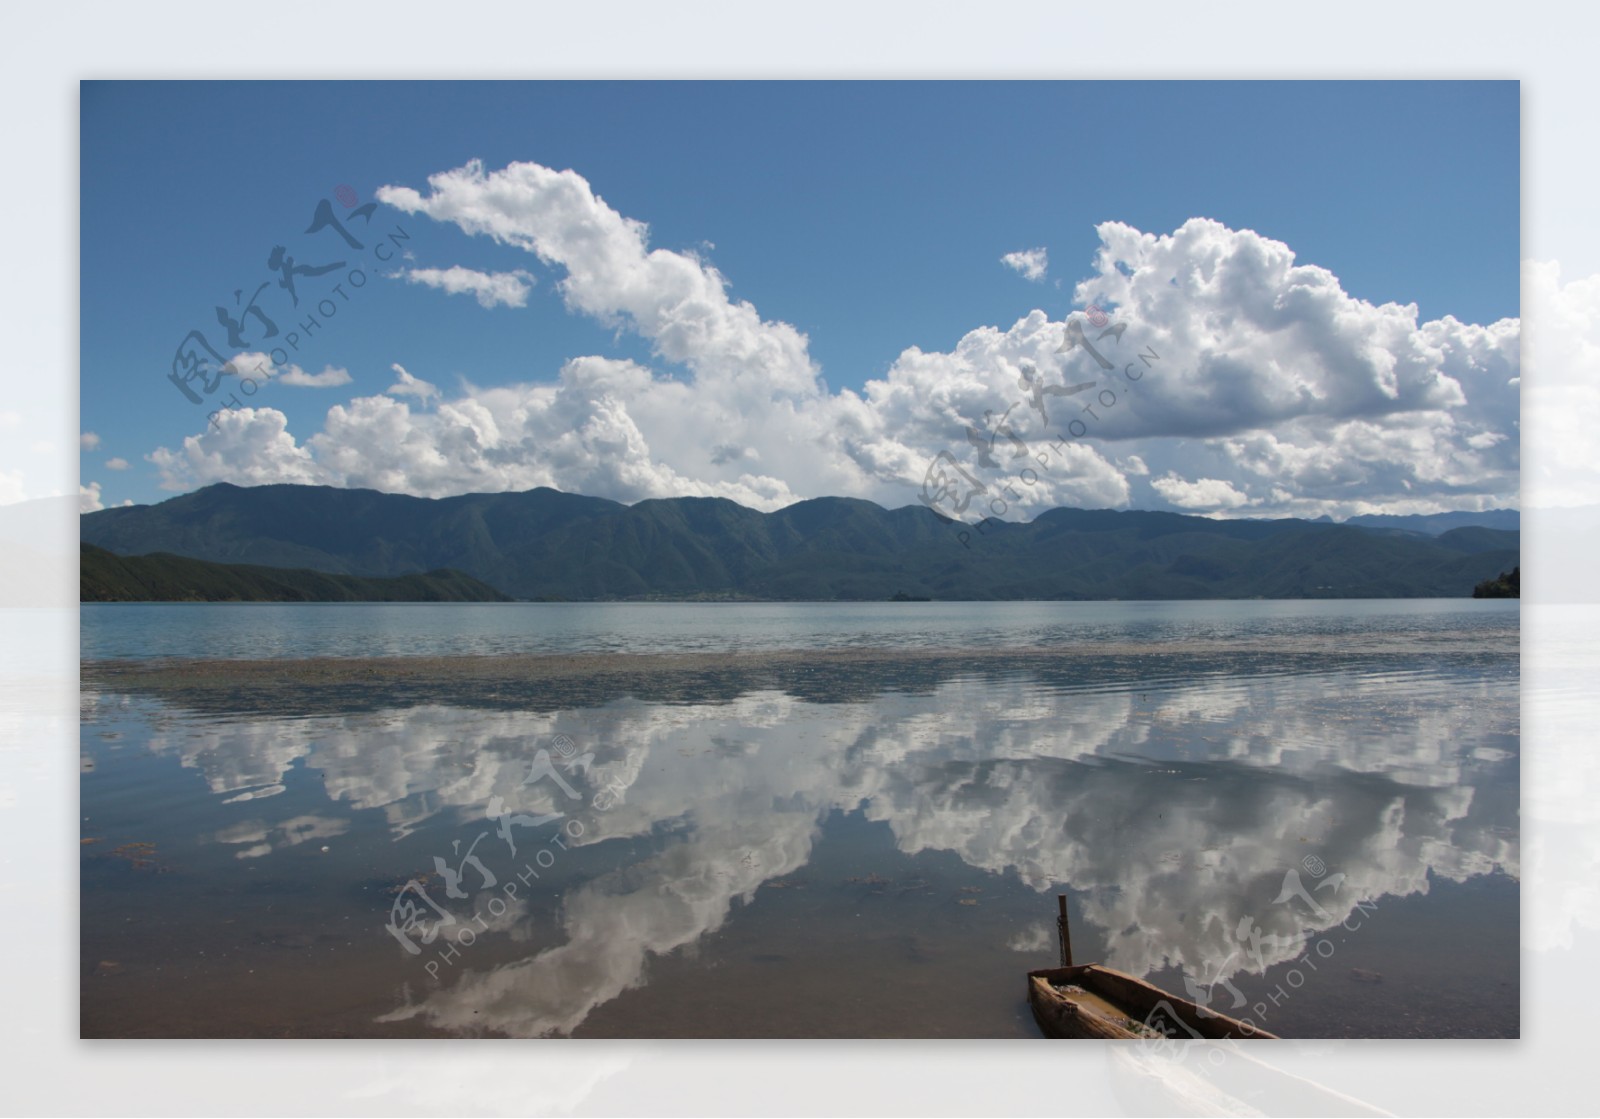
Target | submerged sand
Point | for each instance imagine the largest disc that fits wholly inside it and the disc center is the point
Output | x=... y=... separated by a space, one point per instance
x=210 y=681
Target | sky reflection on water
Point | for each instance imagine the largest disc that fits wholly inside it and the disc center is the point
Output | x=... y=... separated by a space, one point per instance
x=1171 y=809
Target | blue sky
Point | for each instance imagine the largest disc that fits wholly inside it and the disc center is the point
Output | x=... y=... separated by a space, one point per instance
x=869 y=216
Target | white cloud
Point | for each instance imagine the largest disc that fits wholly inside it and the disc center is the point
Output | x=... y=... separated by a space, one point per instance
x=88 y=441
x=247 y=446
x=492 y=289
x=679 y=303
x=1031 y=263
x=116 y=464
x=259 y=368
x=1203 y=493
x=1263 y=379
x=407 y=385
x=331 y=376
x=89 y=498
x=1304 y=398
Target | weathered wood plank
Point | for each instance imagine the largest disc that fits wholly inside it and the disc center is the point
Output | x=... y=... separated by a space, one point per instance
x=1134 y=998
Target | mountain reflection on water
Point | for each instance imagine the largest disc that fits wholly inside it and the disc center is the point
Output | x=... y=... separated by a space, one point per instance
x=1172 y=805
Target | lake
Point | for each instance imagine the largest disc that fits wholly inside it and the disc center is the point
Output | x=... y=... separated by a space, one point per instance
x=794 y=820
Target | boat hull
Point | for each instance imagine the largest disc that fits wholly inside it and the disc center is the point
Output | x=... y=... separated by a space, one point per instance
x=1113 y=1005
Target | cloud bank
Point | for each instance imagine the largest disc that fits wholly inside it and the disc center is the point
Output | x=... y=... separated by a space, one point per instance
x=1273 y=391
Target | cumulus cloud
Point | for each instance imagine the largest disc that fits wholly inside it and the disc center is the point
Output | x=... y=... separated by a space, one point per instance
x=1228 y=376
x=88 y=440
x=492 y=289
x=247 y=446
x=1203 y=493
x=89 y=498
x=116 y=464
x=1031 y=263
x=1317 y=401
x=673 y=299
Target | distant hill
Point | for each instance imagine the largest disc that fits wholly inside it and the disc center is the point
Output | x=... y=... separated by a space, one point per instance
x=1432 y=524
x=1508 y=584
x=544 y=544
x=162 y=577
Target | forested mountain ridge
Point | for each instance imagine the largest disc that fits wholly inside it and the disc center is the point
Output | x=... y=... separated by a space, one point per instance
x=545 y=544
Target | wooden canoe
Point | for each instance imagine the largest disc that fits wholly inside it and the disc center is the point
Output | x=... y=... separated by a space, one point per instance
x=1091 y=1000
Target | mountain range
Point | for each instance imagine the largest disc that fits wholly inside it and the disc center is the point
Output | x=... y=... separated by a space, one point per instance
x=544 y=544
x=1435 y=523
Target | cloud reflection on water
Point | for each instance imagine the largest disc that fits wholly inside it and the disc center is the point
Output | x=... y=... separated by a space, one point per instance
x=1173 y=810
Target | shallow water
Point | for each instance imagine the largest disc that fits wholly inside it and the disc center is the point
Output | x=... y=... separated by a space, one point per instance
x=357 y=629
x=1327 y=845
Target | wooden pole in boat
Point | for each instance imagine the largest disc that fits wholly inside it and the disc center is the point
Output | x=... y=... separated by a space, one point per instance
x=1061 y=931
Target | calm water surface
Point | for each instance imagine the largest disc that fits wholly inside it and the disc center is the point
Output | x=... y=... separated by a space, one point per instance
x=1328 y=844
x=271 y=629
